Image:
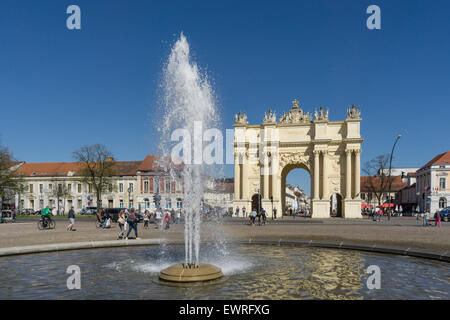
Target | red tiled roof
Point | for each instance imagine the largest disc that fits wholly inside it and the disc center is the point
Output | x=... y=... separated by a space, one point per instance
x=443 y=158
x=158 y=162
x=367 y=183
x=123 y=168
x=48 y=169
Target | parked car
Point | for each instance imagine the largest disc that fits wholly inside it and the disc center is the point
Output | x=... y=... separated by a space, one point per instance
x=26 y=211
x=445 y=214
x=89 y=210
x=113 y=213
x=7 y=216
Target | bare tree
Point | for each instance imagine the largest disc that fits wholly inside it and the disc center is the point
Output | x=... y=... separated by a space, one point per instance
x=97 y=167
x=377 y=182
x=59 y=191
x=8 y=182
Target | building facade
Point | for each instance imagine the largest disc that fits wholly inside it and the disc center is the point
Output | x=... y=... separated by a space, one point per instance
x=432 y=183
x=59 y=186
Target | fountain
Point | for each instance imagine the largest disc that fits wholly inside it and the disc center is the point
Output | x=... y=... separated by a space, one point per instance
x=189 y=105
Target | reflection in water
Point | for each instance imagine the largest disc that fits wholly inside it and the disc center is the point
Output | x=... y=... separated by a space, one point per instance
x=252 y=271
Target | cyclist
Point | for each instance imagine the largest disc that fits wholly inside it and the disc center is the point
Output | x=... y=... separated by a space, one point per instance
x=46 y=214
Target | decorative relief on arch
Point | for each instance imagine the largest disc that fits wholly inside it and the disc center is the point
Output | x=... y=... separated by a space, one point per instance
x=335 y=185
x=295 y=158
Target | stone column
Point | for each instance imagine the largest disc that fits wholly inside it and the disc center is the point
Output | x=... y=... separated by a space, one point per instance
x=316 y=175
x=237 y=176
x=266 y=172
x=357 y=173
x=348 y=175
x=244 y=177
x=325 y=194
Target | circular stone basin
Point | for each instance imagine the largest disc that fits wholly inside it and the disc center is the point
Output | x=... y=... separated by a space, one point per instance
x=196 y=272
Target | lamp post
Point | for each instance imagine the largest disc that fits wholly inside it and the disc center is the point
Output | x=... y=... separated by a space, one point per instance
x=129 y=196
x=389 y=179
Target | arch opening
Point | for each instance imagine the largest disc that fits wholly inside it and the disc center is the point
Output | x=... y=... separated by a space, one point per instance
x=296 y=190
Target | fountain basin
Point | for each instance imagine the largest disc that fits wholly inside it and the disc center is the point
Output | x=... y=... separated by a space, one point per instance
x=197 y=272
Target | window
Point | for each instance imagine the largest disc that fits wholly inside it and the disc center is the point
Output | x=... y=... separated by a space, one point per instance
x=50 y=186
x=121 y=202
x=145 y=186
x=121 y=188
x=60 y=188
x=41 y=204
x=90 y=188
x=442 y=203
x=32 y=204
x=168 y=203
x=79 y=188
x=147 y=203
x=110 y=188
x=441 y=184
x=69 y=187
x=31 y=188
x=168 y=186
x=69 y=203
x=131 y=204
x=179 y=203
x=79 y=204
x=131 y=187
x=41 y=188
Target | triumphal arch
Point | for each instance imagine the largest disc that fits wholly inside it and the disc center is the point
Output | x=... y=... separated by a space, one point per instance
x=329 y=150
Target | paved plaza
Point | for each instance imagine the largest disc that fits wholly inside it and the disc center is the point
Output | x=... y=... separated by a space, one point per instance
x=399 y=231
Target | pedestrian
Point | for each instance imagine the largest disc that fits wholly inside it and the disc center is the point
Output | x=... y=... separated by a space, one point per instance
x=167 y=220
x=122 y=221
x=380 y=214
x=158 y=218
x=259 y=217
x=252 y=217
x=178 y=216
x=71 y=219
x=172 y=215
x=132 y=222
x=427 y=218
x=237 y=212
x=437 y=218
x=263 y=215
x=244 y=213
x=274 y=214
x=146 y=219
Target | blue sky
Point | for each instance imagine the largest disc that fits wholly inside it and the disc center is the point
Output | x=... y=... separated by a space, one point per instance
x=61 y=89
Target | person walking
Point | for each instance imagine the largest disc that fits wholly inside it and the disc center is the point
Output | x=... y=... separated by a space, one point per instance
x=259 y=217
x=122 y=221
x=146 y=219
x=252 y=217
x=263 y=215
x=437 y=218
x=427 y=218
x=167 y=220
x=132 y=222
x=71 y=220
x=274 y=217
x=178 y=216
x=158 y=218
x=237 y=212
x=380 y=214
x=244 y=213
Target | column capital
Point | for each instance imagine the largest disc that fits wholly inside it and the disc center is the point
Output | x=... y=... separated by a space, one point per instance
x=316 y=152
x=357 y=151
x=349 y=151
x=324 y=152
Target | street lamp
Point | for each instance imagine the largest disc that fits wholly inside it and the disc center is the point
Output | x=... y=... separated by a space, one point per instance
x=129 y=192
x=389 y=179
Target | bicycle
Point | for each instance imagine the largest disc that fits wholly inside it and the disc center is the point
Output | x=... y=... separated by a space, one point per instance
x=46 y=223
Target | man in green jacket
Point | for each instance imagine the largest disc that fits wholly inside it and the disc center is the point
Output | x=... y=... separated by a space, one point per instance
x=46 y=213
